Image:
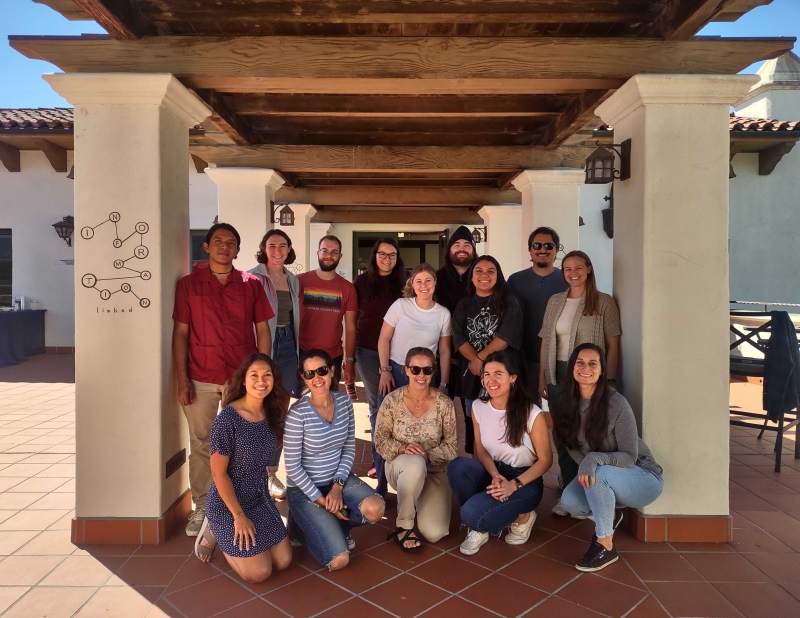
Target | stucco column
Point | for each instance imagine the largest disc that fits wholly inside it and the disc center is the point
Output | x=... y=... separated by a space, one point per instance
x=671 y=283
x=550 y=197
x=315 y=234
x=131 y=247
x=244 y=196
x=502 y=230
x=300 y=234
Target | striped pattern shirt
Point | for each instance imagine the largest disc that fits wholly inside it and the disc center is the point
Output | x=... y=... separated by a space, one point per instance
x=317 y=452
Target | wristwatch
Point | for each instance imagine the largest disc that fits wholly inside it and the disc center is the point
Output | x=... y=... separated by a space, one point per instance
x=351 y=359
x=519 y=483
x=443 y=384
x=340 y=482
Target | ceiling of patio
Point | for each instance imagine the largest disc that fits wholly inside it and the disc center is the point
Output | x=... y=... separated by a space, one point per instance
x=418 y=102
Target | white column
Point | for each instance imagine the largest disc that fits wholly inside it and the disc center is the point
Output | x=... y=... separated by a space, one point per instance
x=131 y=247
x=315 y=234
x=244 y=196
x=550 y=197
x=502 y=231
x=300 y=234
x=671 y=277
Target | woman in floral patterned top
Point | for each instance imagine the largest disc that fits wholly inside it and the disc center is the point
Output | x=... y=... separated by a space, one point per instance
x=417 y=436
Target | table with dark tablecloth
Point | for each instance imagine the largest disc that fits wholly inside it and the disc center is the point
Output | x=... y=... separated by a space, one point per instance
x=21 y=334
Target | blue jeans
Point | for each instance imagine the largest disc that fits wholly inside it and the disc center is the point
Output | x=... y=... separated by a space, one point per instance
x=320 y=531
x=480 y=511
x=368 y=362
x=399 y=375
x=284 y=353
x=613 y=487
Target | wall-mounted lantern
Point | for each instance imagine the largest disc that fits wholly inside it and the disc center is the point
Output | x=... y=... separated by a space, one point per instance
x=600 y=168
x=285 y=216
x=64 y=229
x=479 y=234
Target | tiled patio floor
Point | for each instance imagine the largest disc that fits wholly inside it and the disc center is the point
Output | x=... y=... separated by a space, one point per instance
x=43 y=574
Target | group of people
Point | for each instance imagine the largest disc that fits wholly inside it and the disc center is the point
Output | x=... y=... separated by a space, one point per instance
x=247 y=342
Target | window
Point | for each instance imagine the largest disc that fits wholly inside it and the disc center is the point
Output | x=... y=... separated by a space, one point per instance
x=199 y=255
x=5 y=268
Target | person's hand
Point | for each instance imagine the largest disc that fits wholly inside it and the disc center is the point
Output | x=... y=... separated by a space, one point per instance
x=185 y=392
x=415 y=448
x=349 y=372
x=386 y=385
x=476 y=366
x=442 y=389
x=244 y=533
x=543 y=388
x=585 y=480
x=333 y=501
x=501 y=488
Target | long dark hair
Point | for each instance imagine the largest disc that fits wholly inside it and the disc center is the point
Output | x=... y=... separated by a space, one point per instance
x=499 y=299
x=568 y=420
x=592 y=303
x=519 y=404
x=275 y=404
x=261 y=256
x=396 y=278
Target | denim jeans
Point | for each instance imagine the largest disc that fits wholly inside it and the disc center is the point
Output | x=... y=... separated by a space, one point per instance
x=399 y=374
x=614 y=487
x=567 y=465
x=284 y=353
x=320 y=531
x=368 y=362
x=480 y=511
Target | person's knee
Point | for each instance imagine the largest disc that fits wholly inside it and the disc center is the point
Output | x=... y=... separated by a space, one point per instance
x=372 y=509
x=432 y=532
x=339 y=562
x=282 y=561
x=257 y=573
x=413 y=472
x=573 y=501
x=602 y=475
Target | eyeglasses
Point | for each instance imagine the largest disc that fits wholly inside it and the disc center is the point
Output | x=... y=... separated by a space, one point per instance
x=325 y=252
x=547 y=245
x=416 y=370
x=320 y=371
x=383 y=255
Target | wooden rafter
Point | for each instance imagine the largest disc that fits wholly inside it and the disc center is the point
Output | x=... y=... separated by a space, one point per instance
x=579 y=112
x=9 y=157
x=682 y=19
x=123 y=19
x=226 y=120
x=398 y=215
x=397 y=196
x=56 y=155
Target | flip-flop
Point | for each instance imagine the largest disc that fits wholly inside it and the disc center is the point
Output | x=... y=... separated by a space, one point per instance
x=401 y=535
x=208 y=535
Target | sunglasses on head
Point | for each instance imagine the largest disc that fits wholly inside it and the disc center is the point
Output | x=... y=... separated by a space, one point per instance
x=415 y=370
x=320 y=371
x=547 y=245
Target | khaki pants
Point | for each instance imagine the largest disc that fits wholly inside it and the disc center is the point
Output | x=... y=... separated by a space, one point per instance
x=422 y=493
x=200 y=416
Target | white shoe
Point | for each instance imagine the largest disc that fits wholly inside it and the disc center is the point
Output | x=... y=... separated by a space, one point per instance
x=276 y=489
x=473 y=542
x=520 y=533
x=559 y=510
x=196 y=518
x=351 y=543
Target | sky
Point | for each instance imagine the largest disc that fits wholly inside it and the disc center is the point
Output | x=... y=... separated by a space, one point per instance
x=21 y=84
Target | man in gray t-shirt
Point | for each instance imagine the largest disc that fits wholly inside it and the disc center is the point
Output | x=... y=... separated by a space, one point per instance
x=534 y=286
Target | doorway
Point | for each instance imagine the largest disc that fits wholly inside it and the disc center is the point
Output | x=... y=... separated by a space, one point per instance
x=415 y=248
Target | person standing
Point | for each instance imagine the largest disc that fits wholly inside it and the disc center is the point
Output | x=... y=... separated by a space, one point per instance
x=325 y=299
x=216 y=310
x=488 y=320
x=282 y=288
x=579 y=315
x=533 y=287
x=377 y=289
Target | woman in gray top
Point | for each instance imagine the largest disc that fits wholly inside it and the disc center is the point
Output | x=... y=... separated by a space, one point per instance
x=616 y=469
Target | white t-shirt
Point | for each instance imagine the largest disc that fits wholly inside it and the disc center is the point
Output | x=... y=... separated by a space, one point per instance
x=493 y=431
x=415 y=327
x=564 y=328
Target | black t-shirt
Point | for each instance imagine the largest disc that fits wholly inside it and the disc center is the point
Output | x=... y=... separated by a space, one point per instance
x=450 y=287
x=534 y=292
x=371 y=310
x=476 y=323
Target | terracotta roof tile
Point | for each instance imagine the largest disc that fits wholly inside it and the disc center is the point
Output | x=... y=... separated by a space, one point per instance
x=740 y=123
x=39 y=118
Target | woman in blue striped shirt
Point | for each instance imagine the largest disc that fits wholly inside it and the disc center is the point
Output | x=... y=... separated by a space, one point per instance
x=325 y=499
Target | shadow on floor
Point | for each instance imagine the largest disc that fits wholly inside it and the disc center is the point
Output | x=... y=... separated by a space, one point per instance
x=42 y=368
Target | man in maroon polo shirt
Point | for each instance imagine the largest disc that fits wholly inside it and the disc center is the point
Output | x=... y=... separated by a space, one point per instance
x=220 y=318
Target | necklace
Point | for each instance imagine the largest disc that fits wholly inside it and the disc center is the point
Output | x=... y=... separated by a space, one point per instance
x=418 y=404
x=218 y=274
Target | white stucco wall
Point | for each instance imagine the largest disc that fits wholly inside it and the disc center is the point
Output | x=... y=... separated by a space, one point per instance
x=593 y=240
x=31 y=201
x=202 y=200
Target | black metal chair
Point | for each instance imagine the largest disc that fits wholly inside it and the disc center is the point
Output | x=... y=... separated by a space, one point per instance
x=758 y=337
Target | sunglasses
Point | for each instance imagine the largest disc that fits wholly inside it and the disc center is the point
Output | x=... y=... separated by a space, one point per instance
x=428 y=371
x=320 y=371
x=547 y=245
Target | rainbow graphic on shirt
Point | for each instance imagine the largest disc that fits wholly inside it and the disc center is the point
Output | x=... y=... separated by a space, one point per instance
x=322 y=299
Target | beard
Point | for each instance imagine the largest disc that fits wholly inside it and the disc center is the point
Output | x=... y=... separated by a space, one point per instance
x=542 y=264
x=326 y=268
x=456 y=260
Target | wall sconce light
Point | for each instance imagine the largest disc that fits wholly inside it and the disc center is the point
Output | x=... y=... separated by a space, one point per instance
x=64 y=229
x=285 y=216
x=480 y=234
x=600 y=168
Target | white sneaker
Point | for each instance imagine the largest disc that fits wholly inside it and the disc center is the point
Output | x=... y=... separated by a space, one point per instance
x=196 y=518
x=559 y=510
x=276 y=489
x=473 y=542
x=351 y=543
x=520 y=533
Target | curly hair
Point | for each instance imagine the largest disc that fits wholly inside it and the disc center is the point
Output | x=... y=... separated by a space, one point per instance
x=276 y=403
x=261 y=256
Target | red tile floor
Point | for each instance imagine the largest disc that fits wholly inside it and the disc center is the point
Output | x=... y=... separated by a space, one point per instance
x=43 y=574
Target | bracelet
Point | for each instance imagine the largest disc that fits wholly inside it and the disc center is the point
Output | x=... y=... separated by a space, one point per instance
x=238 y=516
x=382 y=369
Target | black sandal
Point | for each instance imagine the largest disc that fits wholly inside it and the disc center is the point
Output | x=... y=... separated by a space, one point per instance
x=401 y=535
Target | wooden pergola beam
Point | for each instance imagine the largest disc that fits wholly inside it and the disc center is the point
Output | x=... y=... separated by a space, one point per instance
x=398 y=215
x=9 y=157
x=579 y=112
x=682 y=19
x=398 y=196
x=123 y=19
x=393 y=159
x=56 y=154
x=230 y=123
